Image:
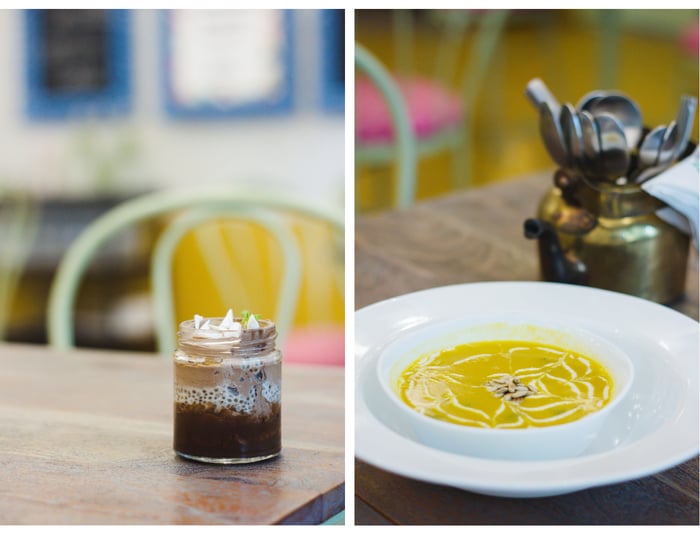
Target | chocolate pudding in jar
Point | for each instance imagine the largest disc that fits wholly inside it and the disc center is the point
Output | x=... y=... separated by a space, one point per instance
x=227 y=390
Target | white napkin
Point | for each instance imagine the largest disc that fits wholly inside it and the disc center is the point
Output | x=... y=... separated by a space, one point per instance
x=678 y=187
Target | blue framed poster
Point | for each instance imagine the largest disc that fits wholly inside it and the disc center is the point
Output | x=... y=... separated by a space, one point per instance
x=333 y=59
x=77 y=63
x=227 y=63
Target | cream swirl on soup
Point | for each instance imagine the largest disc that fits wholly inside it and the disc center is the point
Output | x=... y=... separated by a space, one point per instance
x=505 y=384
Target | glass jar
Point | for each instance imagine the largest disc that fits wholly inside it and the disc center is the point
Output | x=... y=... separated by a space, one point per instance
x=227 y=393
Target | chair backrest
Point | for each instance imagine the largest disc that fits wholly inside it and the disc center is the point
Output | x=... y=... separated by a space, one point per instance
x=162 y=261
x=368 y=64
x=205 y=203
x=453 y=25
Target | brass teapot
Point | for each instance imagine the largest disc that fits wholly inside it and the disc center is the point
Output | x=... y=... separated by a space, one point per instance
x=608 y=236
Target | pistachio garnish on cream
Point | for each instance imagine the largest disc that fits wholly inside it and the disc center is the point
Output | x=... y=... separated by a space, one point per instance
x=250 y=320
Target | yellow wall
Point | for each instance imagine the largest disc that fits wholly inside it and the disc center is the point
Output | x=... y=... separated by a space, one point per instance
x=247 y=259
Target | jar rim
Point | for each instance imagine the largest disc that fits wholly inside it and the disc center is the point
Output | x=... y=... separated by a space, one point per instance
x=243 y=342
x=267 y=327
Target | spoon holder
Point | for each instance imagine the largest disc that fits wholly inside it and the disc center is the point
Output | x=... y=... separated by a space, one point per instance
x=608 y=236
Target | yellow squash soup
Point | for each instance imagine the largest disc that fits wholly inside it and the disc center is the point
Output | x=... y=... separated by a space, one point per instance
x=505 y=384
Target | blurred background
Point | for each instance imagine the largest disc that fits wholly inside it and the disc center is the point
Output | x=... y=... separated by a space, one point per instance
x=101 y=106
x=473 y=67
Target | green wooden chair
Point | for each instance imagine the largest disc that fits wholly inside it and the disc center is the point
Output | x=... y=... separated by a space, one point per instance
x=198 y=206
x=440 y=117
x=405 y=146
x=164 y=252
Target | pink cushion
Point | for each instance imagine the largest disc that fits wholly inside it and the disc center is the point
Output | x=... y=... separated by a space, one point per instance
x=324 y=345
x=689 y=40
x=431 y=107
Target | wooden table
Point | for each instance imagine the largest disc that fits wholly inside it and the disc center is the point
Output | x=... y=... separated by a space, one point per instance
x=86 y=438
x=471 y=236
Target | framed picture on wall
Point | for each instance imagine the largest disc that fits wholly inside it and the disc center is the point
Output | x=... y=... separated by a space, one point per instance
x=227 y=63
x=77 y=63
x=333 y=59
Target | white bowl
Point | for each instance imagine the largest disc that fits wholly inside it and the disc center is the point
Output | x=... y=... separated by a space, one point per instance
x=540 y=443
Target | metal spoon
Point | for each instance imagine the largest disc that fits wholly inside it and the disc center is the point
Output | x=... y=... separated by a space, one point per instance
x=684 y=120
x=680 y=130
x=648 y=153
x=586 y=100
x=591 y=143
x=537 y=92
x=649 y=172
x=649 y=149
x=614 y=155
x=668 y=144
x=625 y=110
x=552 y=135
x=573 y=135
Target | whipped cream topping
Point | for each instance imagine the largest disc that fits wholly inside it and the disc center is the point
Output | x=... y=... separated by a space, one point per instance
x=227 y=327
x=252 y=323
x=228 y=322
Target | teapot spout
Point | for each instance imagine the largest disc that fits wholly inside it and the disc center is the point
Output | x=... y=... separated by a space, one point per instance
x=555 y=264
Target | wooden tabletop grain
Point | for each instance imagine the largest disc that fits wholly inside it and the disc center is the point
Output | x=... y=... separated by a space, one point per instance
x=86 y=438
x=471 y=236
